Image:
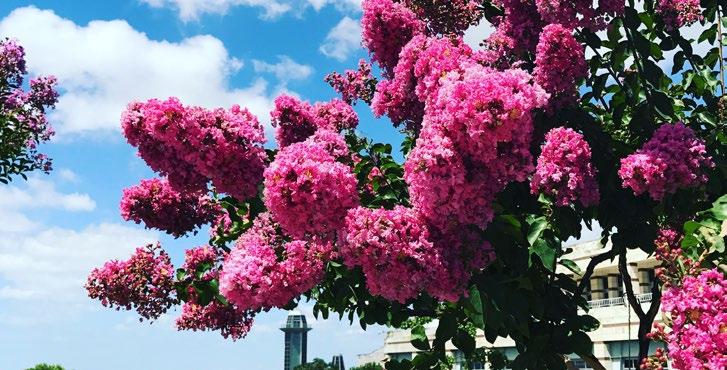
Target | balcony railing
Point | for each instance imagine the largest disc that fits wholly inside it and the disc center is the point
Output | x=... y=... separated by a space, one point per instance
x=617 y=301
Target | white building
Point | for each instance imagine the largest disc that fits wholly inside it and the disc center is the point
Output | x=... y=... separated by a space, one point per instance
x=614 y=341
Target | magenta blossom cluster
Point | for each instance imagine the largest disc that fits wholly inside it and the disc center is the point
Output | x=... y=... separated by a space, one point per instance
x=354 y=85
x=197 y=258
x=231 y=322
x=580 y=13
x=307 y=191
x=679 y=13
x=387 y=26
x=451 y=17
x=24 y=112
x=159 y=206
x=145 y=282
x=192 y=145
x=297 y=120
x=674 y=158
x=564 y=169
x=394 y=248
x=265 y=270
x=560 y=64
x=698 y=311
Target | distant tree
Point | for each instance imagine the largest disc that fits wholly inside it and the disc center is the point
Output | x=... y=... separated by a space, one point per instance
x=46 y=367
x=316 y=364
x=369 y=366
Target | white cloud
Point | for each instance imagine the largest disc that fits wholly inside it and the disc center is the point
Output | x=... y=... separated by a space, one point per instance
x=105 y=64
x=68 y=175
x=189 y=10
x=285 y=70
x=51 y=266
x=38 y=193
x=342 y=40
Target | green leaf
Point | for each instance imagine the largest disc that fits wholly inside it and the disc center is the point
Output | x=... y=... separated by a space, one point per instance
x=545 y=252
x=474 y=307
x=465 y=342
x=446 y=330
x=582 y=343
x=570 y=265
x=419 y=338
x=537 y=226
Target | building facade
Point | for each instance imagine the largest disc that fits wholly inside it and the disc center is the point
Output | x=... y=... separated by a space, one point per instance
x=296 y=340
x=615 y=343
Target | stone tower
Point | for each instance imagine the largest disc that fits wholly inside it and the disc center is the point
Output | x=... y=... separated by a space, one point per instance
x=296 y=340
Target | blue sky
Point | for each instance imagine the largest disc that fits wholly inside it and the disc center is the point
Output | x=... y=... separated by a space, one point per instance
x=56 y=228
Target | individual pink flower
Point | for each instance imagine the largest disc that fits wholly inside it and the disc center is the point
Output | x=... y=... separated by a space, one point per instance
x=560 y=64
x=229 y=321
x=145 y=282
x=564 y=169
x=307 y=191
x=674 y=158
x=265 y=270
x=335 y=115
x=155 y=203
x=679 y=13
x=293 y=119
x=386 y=27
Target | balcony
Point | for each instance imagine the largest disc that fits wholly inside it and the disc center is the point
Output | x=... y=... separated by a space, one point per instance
x=618 y=301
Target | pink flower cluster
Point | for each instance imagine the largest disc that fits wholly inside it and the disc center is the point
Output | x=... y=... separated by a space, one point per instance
x=354 y=84
x=674 y=158
x=195 y=258
x=387 y=26
x=12 y=62
x=580 y=13
x=679 y=13
x=451 y=17
x=698 y=311
x=423 y=65
x=193 y=145
x=335 y=115
x=144 y=282
x=398 y=258
x=227 y=319
x=307 y=191
x=564 y=169
x=265 y=270
x=560 y=64
x=297 y=120
x=155 y=203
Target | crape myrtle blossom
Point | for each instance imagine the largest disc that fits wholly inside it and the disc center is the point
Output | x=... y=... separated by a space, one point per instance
x=297 y=120
x=354 y=85
x=221 y=146
x=145 y=282
x=560 y=64
x=265 y=269
x=679 y=13
x=521 y=22
x=23 y=114
x=697 y=309
x=387 y=26
x=307 y=191
x=580 y=13
x=451 y=17
x=564 y=169
x=155 y=203
x=674 y=158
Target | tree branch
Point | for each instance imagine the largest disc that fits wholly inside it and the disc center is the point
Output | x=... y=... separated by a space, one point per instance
x=595 y=261
x=626 y=277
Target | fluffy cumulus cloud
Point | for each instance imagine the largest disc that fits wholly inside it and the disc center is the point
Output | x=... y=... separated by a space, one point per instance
x=285 y=70
x=103 y=65
x=189 y=10
x=343 y=40
x=43 y=268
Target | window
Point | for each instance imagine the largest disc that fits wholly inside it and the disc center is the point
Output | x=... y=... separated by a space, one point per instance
x=580 y=364
x=630 y=363
x=478 y=366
